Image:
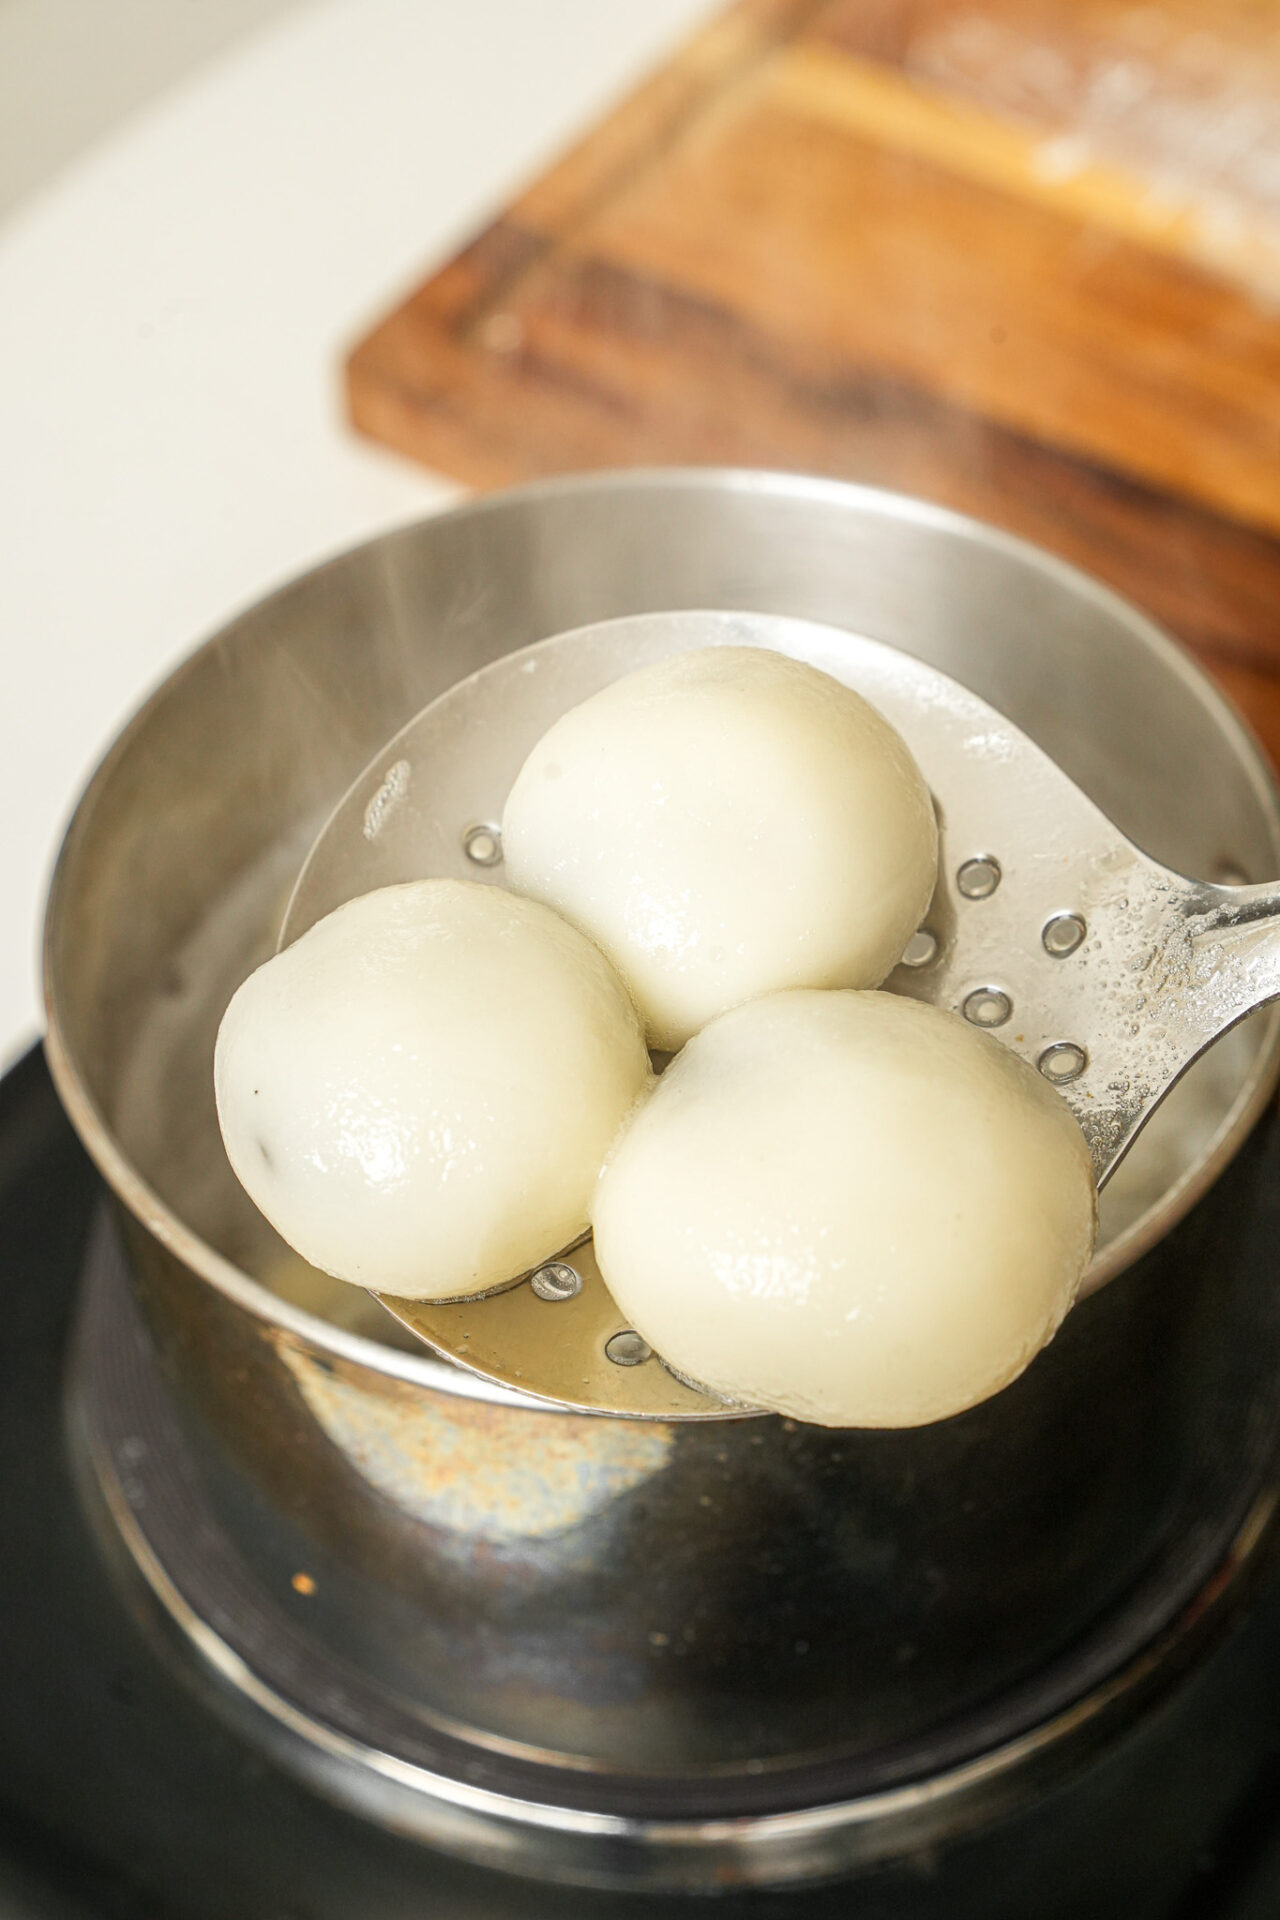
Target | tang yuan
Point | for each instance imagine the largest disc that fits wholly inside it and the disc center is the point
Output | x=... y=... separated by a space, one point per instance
x=420 y=1091
x=847 y=1207
x=724 y=823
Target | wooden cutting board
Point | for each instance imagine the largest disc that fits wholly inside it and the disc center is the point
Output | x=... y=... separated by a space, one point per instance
x=1020 y=256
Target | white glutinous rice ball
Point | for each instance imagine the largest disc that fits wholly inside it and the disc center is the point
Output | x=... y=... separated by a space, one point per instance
x=725 y=823
x=419 y=1093
x=847 y=1207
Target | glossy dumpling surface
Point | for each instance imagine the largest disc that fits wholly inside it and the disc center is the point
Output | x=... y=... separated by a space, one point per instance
x=852 y=1208
x=724 y=823
x=420 y=1091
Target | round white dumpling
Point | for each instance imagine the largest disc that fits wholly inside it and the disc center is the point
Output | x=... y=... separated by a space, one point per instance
x=725 y=823
x=419 y=1093
x=848 y=1207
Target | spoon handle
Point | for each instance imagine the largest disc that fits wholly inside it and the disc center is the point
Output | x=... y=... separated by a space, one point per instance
x=1207 y=956
x=1235 y=951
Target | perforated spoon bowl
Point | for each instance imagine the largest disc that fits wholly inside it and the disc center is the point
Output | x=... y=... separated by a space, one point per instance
x=1105 y=970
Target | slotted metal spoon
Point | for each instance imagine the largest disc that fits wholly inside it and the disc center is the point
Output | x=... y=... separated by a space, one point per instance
x=1108 y=972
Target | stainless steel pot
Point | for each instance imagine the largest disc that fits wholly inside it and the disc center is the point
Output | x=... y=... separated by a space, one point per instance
x=593 y=1648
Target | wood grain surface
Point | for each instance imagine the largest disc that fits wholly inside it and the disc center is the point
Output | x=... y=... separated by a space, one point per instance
x=1021 y=256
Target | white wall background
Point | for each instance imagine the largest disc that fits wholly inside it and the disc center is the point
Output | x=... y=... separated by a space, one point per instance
x=72 y=69
x=175 y=303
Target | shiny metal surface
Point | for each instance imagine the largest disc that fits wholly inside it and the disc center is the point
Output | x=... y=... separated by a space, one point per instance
x=256 y=1614
x=1050 y=930
x=741 y=1600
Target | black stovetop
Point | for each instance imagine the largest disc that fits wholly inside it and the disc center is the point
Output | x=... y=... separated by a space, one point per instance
x=121 y=1796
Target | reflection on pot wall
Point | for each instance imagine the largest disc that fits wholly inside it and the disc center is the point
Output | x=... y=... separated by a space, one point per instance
x=467 y=1468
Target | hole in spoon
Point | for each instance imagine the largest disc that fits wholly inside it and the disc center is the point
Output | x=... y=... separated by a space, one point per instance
x=978 y=879
x=483 y=845
x=557 y=1280
x=921 y=949
x=1063 y=1062
x=1063 y=934
x=987 y=1007
x=627 y=1349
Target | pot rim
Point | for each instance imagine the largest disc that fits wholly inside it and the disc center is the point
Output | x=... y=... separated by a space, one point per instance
x=423 y=1369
